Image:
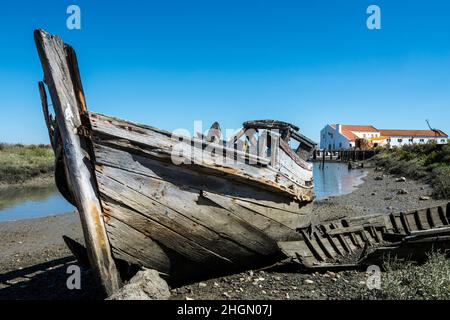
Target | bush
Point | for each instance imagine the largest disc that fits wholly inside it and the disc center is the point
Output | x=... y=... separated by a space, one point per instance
x=441 y=181
x=430 y=281
x=429 y=162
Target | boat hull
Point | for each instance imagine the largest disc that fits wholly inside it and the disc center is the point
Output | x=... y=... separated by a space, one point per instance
x=187 y=221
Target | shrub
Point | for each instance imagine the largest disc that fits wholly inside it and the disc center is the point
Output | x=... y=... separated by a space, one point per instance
x=429 y=162
x=430 y=281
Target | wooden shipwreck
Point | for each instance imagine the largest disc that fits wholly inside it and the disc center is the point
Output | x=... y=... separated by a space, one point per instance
x=187 y=207
x=194 y=207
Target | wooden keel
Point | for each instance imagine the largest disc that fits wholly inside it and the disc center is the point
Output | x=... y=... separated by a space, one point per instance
x=62 y=78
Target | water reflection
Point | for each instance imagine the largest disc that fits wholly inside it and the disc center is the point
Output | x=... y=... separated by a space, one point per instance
x=31 y=202
x=335 y=179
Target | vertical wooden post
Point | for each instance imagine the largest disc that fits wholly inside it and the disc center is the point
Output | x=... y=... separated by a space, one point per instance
x=323 y=158
x=68 y=102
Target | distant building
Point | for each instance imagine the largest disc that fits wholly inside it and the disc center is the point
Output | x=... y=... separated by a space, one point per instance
x=397 y=138
x=343 y=137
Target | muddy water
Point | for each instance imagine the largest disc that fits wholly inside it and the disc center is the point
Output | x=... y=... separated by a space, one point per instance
x=31 y=202
x=335 y=179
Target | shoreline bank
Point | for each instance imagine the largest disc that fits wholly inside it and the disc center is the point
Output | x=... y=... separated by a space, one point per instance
x=43 y=180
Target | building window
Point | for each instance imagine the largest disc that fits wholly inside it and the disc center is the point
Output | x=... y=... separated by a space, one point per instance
x=410 y=140
x=400 y=140
x=422 y=140
x=389 y=140
x=442 y=140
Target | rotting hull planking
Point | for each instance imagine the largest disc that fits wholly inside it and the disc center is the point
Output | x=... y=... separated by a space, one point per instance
x=188 y=220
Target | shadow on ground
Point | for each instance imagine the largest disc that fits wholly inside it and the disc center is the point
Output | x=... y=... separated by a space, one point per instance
x=47 y=281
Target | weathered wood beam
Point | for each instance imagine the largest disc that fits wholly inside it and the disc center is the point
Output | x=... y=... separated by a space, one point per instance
x=48 y=120
x=67 y=103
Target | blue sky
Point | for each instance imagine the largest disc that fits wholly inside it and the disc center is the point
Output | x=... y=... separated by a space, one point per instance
x=169 y=63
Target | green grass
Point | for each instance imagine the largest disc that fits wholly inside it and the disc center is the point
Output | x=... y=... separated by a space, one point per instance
x=429 y=162
x=20 y=163
x=405 y=281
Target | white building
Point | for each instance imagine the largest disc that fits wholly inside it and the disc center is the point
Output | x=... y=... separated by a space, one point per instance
x=343 y=137
x=397 y=138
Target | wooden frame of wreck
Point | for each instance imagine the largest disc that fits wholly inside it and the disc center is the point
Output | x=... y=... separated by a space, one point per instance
x=81 y=158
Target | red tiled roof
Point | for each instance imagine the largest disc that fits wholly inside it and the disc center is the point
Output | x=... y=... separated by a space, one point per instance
x=412 y=133
x=347 y=130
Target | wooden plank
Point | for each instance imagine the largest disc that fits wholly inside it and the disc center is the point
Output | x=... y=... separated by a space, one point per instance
x=272 y=228
x=418 y=220
x=184 y=212
x=343 y=230
x=291 y=220
x=169 y=218
x=335 y=245
x=48 y=120
x=354 y=240
x=273 y=205
x=435 y=231
x=297 y=248
x=345 y=245
x=165 y=236
x=57 y=76
x=144 y=250
x=395 y=226
x=405 y=222
x=190 y=204
x=312 y=246
x=327 y=249
x=442 y=218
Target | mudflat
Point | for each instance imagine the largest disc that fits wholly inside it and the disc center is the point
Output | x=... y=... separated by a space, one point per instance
x=34 y=258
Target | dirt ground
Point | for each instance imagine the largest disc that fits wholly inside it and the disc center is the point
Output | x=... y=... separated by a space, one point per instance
x=34 y=259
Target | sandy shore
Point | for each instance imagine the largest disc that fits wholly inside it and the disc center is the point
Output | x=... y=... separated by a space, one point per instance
x=34 y=259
